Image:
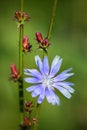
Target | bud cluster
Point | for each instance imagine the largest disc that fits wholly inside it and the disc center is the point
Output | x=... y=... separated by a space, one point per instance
x=28 y=106
x=21 y=17
x=28 y=119
x=29 y=122
x=42 y=42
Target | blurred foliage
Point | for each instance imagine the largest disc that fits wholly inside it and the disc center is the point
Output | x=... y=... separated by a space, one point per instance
x=69 y=40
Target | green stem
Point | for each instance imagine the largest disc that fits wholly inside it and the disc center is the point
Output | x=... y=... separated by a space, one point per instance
x=21 y=94
x=22 y=5
x=48 y=36
x=52 y=19
x=20 y=85
x=37 y=116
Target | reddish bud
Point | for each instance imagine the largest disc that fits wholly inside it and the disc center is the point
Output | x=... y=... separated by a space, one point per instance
x=39 y=37
x=26 y=16
x=21 y=17
x=26 y=46
x=43 y=43
x=14 y=73
x=28 y=106
x=18 y=15
x=27 y=121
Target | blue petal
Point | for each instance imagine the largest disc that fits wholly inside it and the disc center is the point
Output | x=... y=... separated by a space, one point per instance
x=63 y=91
x=65 y=71
x=33 y=72
x=27 y=72
x=67 y=85
x=32 y=80
x=42 y=96
x=51 y=97
x=39 y=63
x=55 y=65
x=37 y=91
x=63 y=76
x=46 y=65
x=32 y=88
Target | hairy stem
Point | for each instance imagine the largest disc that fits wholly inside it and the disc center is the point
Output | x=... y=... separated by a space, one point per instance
x=20 y=84
x=52 y=19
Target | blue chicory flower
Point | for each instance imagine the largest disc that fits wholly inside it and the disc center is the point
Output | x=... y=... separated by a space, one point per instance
x=45 y=80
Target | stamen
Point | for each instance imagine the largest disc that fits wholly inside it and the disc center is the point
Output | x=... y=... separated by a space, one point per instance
x=47 y=82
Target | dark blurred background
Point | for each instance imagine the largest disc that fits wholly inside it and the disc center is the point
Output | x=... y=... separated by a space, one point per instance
x=69 y=40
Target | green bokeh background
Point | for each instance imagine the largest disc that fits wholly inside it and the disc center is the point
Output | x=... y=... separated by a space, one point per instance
x=69 y=40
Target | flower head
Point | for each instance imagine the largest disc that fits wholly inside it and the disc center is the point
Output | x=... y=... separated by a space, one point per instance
x=46 y=80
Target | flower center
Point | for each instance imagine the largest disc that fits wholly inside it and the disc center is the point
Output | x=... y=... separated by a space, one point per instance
x=47 y=82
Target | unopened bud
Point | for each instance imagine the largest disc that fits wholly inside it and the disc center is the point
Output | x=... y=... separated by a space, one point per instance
x=42 y=42
x=14 y=73
x=26 y=46
x=39 y=37
x=27 y=121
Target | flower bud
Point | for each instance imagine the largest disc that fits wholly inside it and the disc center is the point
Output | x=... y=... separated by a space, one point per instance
x=18 y=15
x=26 y=46
x=27 y=121
x=39 y=37
x=21 y=16
x=14 y=73
x=43 y=43
x=28 y=106
x=26 y=16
